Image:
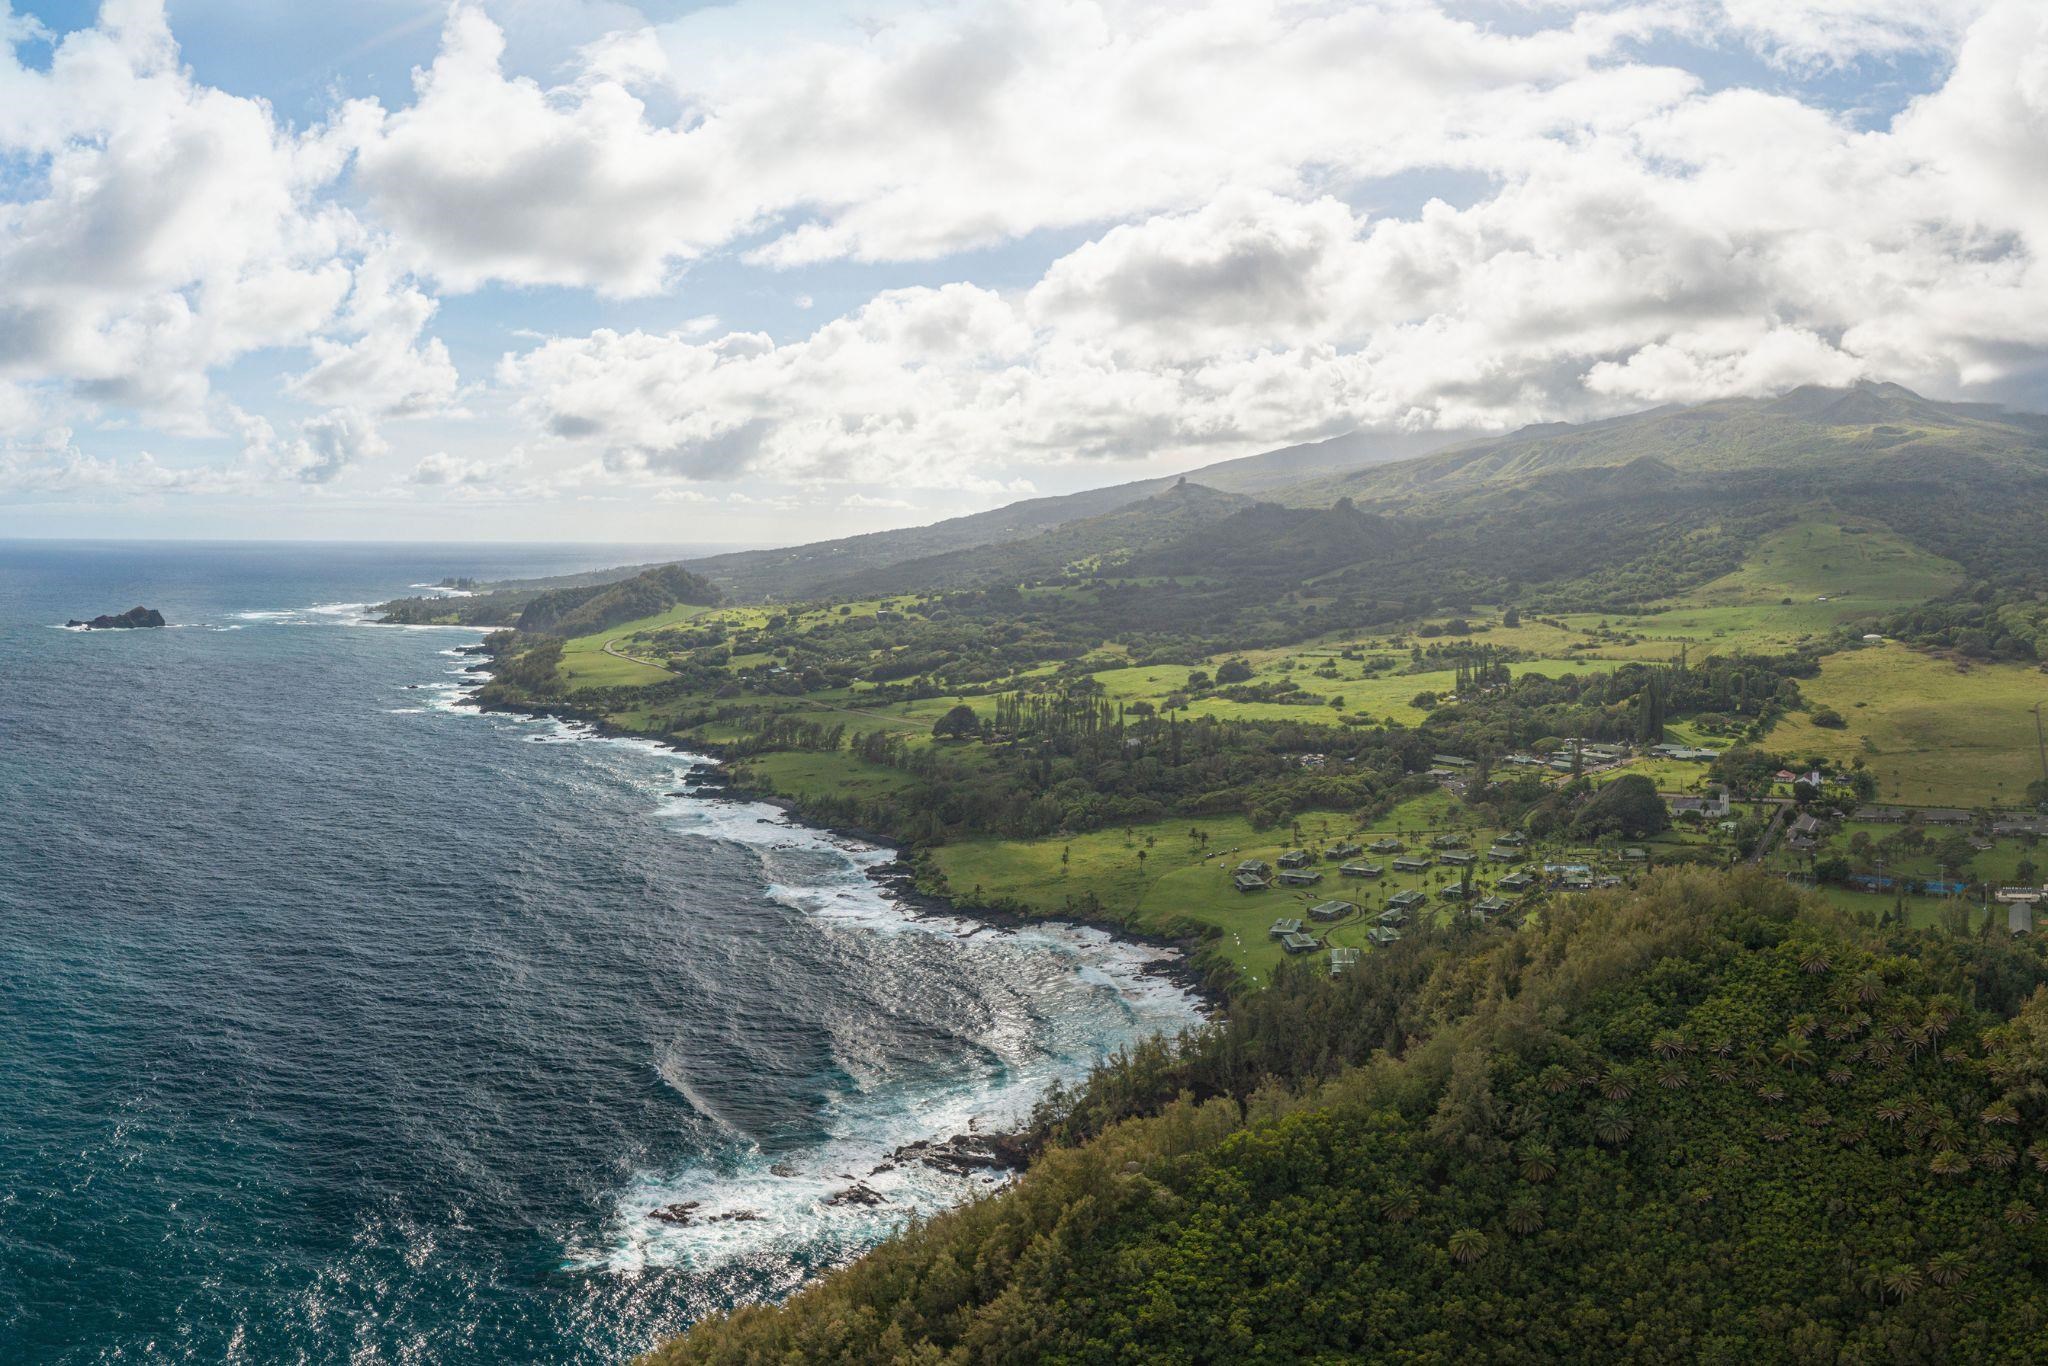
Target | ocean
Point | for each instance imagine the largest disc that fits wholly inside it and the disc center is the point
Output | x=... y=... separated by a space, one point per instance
x=339 y=1020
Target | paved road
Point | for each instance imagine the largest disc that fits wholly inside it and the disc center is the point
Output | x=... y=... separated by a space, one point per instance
x=1770 y=835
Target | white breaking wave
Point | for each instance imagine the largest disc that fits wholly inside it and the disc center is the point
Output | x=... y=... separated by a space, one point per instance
x=776 y=1217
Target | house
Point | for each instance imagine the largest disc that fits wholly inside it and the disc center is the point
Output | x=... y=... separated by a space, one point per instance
x=1313 y=761
x=887 y=614
x=1391 y=916
x=1577 y=882
x=2020 y=919
x=1362 y=870
x=1516 y=882
x=1344 y=851
x=1785 y=775
x=1284 y=927
x=2016 y=894
x=1449 y=842
x=1295 y=858
x=1249 y=882
x=1450 y=761
x=1941 y=815
x=1297 y=943
x=1491 y=906
x=1412 y=863
x=1408 y=900
x=1454 y=892
x=1712 y=806
x=1300 y=877
x=1512 y=840
x=1501 y=853
x=1330 y=910
x=1882 y=815
x=1256 y=867
x=1382 y=936
x=1342 y=959
x=1634 y=854
x=1459 y=859
x=1388 y=845
x=1684 y=752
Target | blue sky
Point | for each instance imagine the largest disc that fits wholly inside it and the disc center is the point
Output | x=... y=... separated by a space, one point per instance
x=761 y=272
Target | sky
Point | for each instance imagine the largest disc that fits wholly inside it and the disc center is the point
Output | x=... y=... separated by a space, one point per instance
x=765 y=272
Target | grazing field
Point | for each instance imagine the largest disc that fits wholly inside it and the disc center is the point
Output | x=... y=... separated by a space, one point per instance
x=1933 y=732
x=1183 y=880
x=800 y=775
x=1800 y=585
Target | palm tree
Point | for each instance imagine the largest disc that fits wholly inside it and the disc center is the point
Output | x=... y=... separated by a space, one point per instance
x=1525 y=1216
x=2001 y=1112
x=1815 y=961
x=1900 y=1280
x=1946 y=1268
x=1400 y=1206
x=1893 y=1111
x=1869 y=986
x=1612 y=1125
x=1840 y=1076
x=1539 y=1162
x=1949 y=1162
x=1722 y=1070
x=1774 y=1133
x=1997 y=1155
x=1794 y=1051
x=1467 y=1245
x=1669 y=1043
x=2020 y=1214
x=1673 y=1078
x=2038 y=1151
x=1615 y=1086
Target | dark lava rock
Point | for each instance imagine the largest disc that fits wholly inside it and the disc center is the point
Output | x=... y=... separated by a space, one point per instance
x=963 y=1154
x=134 y=618
x=677 y=1214
x=858 y=1194
x=736 y=1216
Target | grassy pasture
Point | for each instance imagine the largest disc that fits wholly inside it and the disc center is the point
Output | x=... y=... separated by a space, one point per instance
x=1175 y=882
x=1800 y=584
x=1933 y=733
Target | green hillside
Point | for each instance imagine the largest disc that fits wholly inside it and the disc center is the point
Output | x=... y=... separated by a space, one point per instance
x=1812 y=431
x=1703 y=1122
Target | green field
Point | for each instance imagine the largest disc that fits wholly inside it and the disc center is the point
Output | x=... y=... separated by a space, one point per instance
x=1932 y=731
x=1181 y=880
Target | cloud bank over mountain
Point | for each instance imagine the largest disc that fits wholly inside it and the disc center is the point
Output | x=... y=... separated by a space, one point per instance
x=1053 y=238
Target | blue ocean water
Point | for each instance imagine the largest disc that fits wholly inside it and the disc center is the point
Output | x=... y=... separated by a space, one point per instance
x=340 y=1021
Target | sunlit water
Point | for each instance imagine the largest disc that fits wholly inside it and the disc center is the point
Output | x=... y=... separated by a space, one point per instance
x=340 y=1020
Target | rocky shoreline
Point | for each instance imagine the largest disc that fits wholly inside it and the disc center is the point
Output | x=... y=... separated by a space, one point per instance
x=962 y=1153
